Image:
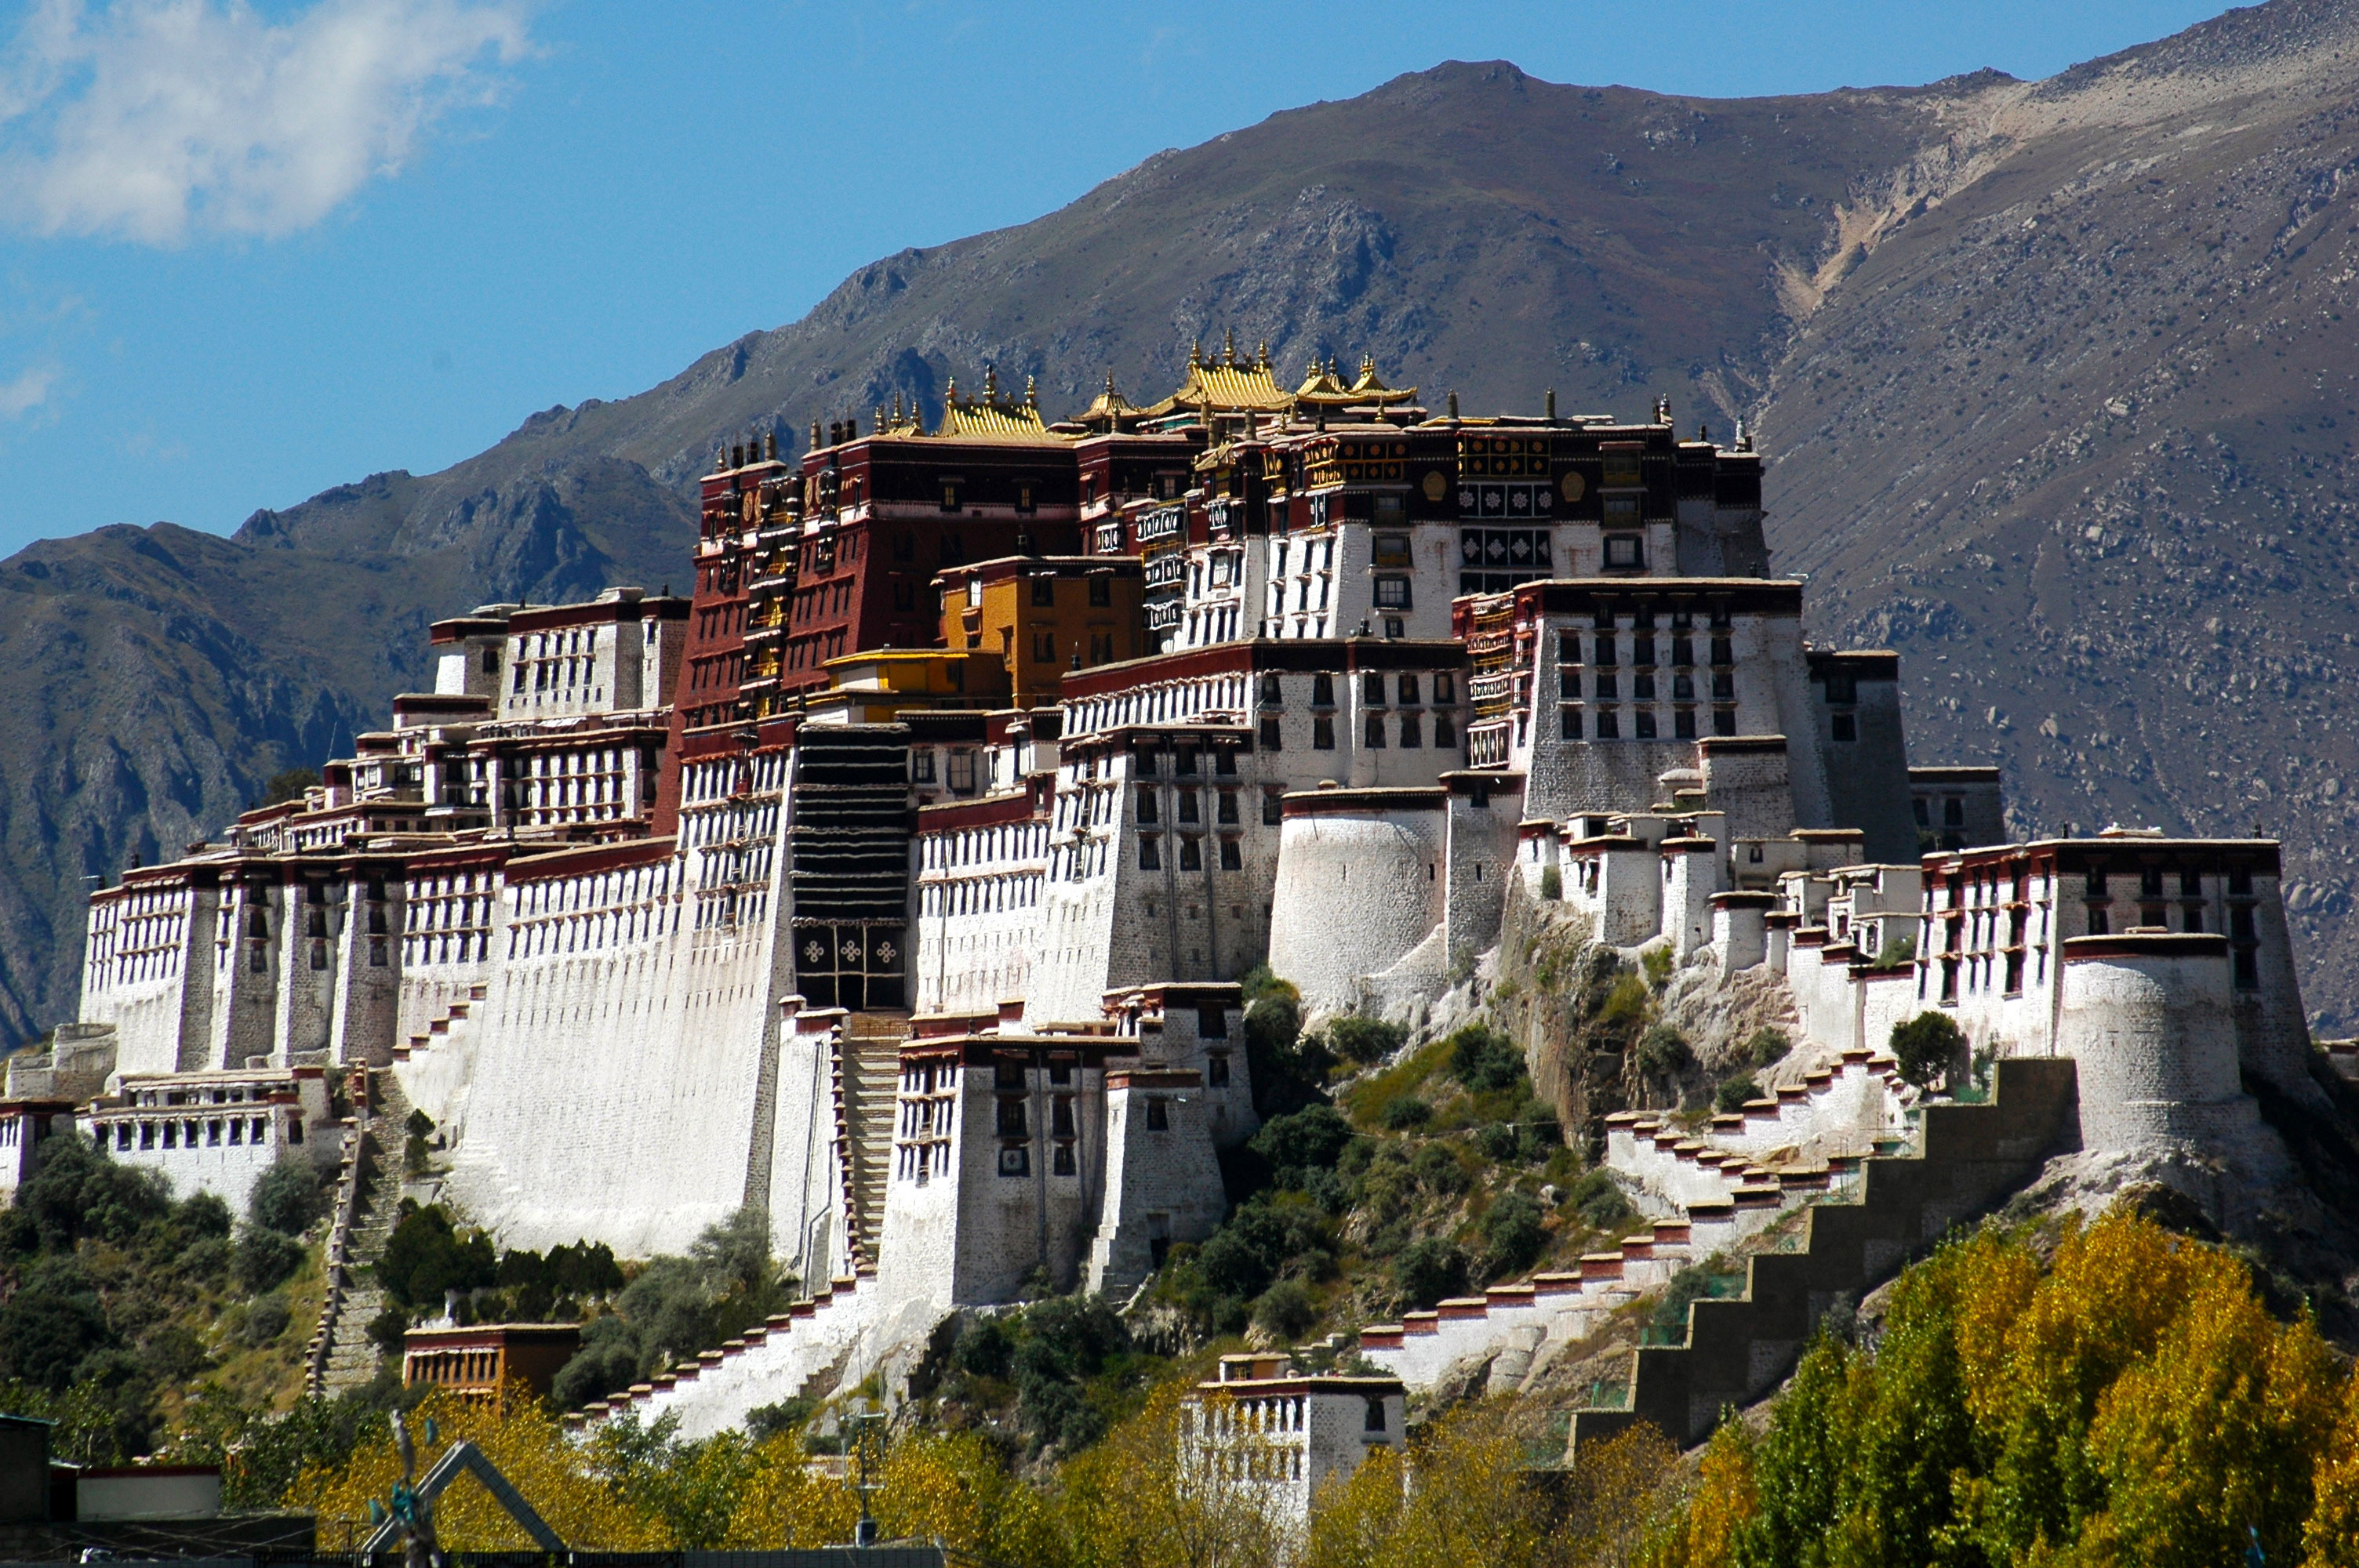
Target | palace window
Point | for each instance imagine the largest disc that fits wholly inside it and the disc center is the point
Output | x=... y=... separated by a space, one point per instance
x=1642 y=651
x=1149 y=807
x=1273 y=807
x=1158 y=1114
x=1322 y=733
x=1100 y=590
x=1044 y=592
x=1044 y=647
x=1216 y=1070
x=1375 y=731
x=1188 y=811
x=1191 y=853
x=1645 y=718
x=1392 y=593
x=1150 y=855
x=1724 y=722
x=1232 y=856
x=1412 y=729
x=1625 y=552
x=1683 y=724
x=1322 y=690
x=1269 y=732
x=1569 y=723
x=1227 y=811
x=1723 y=650
x=1273 y=692
x=1012 y=1121
x=1845 y=726
x=1371 y=690
x=1064 y=1162
x=1609 y=724
x=1015 y=1159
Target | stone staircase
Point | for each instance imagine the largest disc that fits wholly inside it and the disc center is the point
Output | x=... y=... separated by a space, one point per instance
x=341 y=1356
x=813 y=1347
x=1867 y=1213
x=1969 y=1158
x=868 y=1068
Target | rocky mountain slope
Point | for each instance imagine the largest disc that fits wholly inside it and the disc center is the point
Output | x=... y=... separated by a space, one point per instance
x=2053 y=376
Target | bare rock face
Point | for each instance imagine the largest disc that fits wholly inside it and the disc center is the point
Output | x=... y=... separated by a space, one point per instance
x=2052 y=376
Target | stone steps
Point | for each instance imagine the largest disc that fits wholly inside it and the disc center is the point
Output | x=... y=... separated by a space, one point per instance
x=814 y=1347
x=1738 y=1349
x=341 y=1356
x=873 y=1055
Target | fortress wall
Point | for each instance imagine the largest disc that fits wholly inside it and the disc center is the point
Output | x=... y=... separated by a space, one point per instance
x=1690 y=875
x=1481 y=857
x=805 y=1171
x=2149 y=1019
x=1162 y=1184
x=617 y=1068
x=1362 y=885
x=1746 y=778
x=1007 y=1225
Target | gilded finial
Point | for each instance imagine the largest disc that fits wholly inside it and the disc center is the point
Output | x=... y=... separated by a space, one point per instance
x=991 y=384
x=1261 y=355
x=1031 y=393
x=1229 y=348
x=1109 y=384
x=950 y=392
x=1196 y=354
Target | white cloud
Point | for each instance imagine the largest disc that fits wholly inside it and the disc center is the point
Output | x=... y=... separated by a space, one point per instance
x=151 y=119
x=27 y=392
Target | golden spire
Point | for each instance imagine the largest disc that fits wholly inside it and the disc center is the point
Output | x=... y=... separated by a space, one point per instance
x=950 y=391
x=1229 y=348
x=991 y=384
x=1196 y=353
x=1261 y=355
x=1031 y=393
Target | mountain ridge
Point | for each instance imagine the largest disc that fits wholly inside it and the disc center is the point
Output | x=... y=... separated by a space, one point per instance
x=1822 y=266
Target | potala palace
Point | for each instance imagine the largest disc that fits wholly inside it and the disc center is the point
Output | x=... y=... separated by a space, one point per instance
x=899 y=880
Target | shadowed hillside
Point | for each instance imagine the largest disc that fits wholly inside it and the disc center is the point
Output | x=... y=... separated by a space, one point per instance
x=2051 y=374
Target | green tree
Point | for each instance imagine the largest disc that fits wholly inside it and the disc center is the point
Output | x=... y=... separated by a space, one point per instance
x=1927 y=1046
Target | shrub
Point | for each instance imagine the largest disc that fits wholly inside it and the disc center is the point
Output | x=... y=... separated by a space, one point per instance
x=265 y=1257
x=1498 y=1142
x=1284 y=1311
x=1303 y=1140
x=1663 y=1052
x=1365 y=1040
x=1288 y=1071
x=764 y=1423
x=981 y=1347
x=385 y=1331
x=287 y=1197
x=1926 y=1046
x=1484 y=1058
x=1427 y=1270
x=1259 y=1241
x=1733 y=1092
x=1551 y=883
x=1513 y=1235
x=1657 y=963
x=608 y=1360
x=1439 y=1170
x=266 y=1320
x=1895 y=952
x=1404 y=1111
x=1599 y=1201
x=1626 y=1001
x=425 y=1257
x=1767 y=1046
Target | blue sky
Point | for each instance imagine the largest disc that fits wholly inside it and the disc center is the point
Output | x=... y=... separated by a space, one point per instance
x=250 y=251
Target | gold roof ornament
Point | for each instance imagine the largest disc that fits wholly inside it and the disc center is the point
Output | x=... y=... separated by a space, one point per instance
x=1261 y=355
x=1110 y=407
x=1229 y=347
x=992 y=418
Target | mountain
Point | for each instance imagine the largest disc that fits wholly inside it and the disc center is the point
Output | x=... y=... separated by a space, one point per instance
x=2053 y=376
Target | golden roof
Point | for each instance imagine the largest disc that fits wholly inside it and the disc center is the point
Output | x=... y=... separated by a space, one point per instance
x=992 y=417
x=1110 y=404
x=1229 y=386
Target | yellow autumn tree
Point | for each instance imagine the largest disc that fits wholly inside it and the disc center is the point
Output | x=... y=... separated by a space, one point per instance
x=2332 y=1535
x=554 y=1475
x=1467 y=1491
x=1160 y=1490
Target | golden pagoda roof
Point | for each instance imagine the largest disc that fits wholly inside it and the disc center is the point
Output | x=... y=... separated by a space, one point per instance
x=992 y=417
x=1110 y=404
x=1227 y=386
